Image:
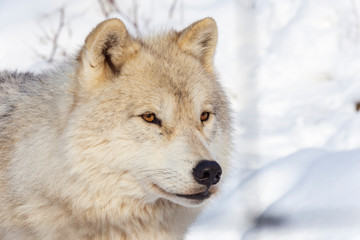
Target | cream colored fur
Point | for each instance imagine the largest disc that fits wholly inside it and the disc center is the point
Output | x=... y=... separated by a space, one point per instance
x=78 y=161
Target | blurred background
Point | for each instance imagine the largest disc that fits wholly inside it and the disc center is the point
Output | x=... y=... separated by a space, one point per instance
x=291 y=69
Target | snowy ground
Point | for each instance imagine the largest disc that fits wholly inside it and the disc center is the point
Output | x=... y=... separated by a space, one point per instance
x=292 y=73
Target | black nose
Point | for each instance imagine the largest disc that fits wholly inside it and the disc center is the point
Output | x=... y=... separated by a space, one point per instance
x=207 y=172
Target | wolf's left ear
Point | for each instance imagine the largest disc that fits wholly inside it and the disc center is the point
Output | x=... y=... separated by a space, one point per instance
x=199 y=40
x=106 y=49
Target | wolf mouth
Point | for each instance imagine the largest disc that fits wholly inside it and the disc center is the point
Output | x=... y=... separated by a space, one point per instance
x=197 y=196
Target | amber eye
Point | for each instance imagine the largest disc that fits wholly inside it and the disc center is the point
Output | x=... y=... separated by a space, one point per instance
x=149 y=117
x=204 y=116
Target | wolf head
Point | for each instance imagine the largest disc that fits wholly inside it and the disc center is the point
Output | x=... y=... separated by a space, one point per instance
x=150 y=113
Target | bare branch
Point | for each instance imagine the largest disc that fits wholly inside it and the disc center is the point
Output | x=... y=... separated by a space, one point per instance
x=133 y=20
x=135 y=17
x=172 y=8
x=103 y=9
x=57 y=35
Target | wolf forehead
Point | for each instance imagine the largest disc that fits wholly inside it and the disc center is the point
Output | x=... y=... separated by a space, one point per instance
x=161 y=64
x=150 y=74
x=172 y=68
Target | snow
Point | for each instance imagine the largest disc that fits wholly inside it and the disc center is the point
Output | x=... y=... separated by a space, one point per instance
x=322 y=201
x=291 y=70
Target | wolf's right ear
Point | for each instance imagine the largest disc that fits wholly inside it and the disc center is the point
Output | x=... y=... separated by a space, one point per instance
x=106 y=49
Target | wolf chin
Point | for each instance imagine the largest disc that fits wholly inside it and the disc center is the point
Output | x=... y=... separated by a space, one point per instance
x=126 y=141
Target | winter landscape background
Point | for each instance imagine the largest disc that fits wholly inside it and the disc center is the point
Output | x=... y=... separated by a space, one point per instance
x=291 y=69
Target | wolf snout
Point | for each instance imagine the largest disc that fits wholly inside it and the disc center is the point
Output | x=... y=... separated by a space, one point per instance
x=207 y=172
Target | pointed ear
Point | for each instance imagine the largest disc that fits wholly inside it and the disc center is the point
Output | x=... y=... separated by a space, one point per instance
x=106 y=49
x=199 y=40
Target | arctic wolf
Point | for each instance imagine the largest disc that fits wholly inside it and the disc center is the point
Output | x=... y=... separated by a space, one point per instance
x=127 y=141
